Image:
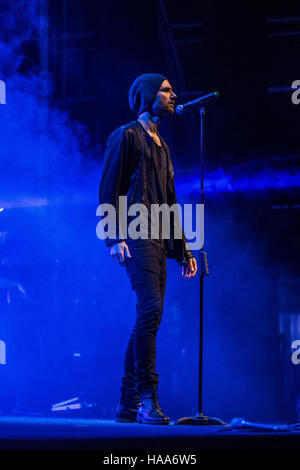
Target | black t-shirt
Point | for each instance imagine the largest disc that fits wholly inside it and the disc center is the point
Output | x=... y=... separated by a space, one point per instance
x=156 y=192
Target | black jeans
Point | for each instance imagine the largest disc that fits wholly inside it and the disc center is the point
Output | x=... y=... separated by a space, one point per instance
x=147 y=271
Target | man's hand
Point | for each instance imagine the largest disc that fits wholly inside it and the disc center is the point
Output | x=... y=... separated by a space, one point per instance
x=189 y=268
x=118 y=251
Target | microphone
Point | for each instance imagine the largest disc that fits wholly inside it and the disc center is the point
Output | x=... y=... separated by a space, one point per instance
x=181 y=108
x=241 y=423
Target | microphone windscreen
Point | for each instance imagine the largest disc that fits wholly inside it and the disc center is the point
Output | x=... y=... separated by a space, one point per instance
x=237 y=422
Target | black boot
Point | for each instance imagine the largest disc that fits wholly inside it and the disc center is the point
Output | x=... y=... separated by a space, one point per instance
x=128 y=406
x=150 y=412
x=126 y=413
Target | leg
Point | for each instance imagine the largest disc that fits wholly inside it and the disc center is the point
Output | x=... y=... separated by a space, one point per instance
x=147 y=273
x=139 y=365
x=129 y=395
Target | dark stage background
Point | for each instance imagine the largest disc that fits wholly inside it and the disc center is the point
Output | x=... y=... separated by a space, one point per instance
x=66 y=309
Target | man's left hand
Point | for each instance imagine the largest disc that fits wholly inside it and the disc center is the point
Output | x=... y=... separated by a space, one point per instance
x=189 y=268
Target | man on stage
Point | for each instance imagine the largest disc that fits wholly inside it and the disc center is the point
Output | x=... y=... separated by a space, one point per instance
x=138 y=165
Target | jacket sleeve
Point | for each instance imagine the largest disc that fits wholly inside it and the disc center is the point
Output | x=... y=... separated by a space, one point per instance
x=114 y=175
x=187 y=252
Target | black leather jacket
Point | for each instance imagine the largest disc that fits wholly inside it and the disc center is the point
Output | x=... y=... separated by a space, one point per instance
x=125 y=174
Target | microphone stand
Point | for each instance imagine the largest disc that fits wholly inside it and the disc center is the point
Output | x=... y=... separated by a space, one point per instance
x=200 y=418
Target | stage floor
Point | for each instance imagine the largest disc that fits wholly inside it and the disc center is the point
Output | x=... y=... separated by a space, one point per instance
x=97 y=434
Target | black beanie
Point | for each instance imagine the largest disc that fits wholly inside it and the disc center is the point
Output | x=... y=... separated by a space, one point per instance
x=143 y=91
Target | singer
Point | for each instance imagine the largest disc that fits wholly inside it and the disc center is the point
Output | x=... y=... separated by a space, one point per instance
x=138 y=164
